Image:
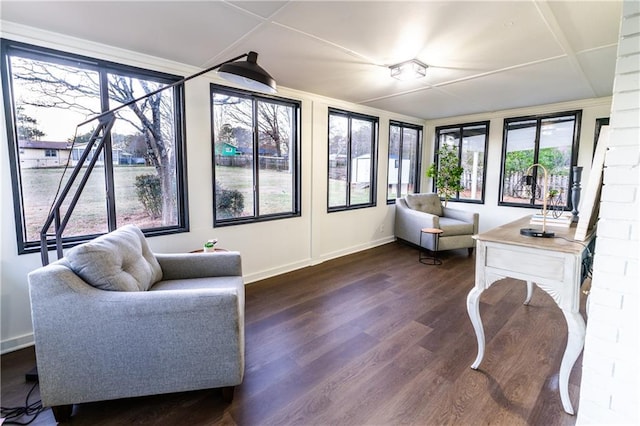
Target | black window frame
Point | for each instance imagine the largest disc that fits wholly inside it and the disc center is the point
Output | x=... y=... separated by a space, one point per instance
x=460 y=128
x=420 y=129
x=7 y=48
x=575 y=144
x=349 y=115
x=296 y=175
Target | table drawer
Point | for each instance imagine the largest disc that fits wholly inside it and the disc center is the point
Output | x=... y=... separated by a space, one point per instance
x=529 y=262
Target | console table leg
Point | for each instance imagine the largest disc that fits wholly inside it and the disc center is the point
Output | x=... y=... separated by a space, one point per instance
x=473 y=308
x=529 y=292
x=575 y=342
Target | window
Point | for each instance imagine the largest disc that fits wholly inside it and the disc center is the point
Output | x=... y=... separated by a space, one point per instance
x=256 y=164
x=404 y=160
x=551 y=141
x=353 y=150
x=46 y=94
x=469 y=142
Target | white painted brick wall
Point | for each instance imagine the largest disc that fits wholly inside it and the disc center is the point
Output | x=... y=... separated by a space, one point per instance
x=609 y=392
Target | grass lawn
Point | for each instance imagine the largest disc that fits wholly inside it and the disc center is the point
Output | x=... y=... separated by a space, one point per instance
x=276 y=188
x=40 y=186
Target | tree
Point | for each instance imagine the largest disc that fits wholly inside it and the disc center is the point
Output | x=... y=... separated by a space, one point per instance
x=27 y=126
x=273 y=121
x=447 y=172
x=54 y=85
x=518 y=161
x=270 y=117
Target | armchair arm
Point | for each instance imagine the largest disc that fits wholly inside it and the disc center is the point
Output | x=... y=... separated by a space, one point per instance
x=462 y=215
x=409 y=222
x=199 y=265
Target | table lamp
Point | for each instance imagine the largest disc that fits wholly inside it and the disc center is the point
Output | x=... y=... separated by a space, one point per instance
x=534 y=232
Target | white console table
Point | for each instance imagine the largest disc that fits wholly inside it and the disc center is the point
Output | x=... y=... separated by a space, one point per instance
x=553 y=264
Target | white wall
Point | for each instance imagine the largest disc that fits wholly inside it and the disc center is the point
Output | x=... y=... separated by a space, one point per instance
x=609 y=389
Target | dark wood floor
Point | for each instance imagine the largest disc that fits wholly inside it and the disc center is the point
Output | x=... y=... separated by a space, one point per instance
x=373 y=338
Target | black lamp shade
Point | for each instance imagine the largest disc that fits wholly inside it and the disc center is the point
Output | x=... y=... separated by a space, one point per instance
x=248 y=74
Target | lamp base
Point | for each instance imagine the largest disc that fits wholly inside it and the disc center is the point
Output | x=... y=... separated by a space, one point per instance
x=539 y=233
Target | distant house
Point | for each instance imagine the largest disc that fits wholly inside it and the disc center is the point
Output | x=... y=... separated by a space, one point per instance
x=37 y=154
x=227 y=150
x=361 y=169
x=394 y=165
x=119 y=156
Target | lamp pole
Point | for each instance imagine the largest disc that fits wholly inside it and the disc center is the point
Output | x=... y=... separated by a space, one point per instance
x=544 y=193
x=163 y=88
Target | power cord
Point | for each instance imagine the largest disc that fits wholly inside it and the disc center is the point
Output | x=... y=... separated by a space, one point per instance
x=587 y=262
x=11 y=414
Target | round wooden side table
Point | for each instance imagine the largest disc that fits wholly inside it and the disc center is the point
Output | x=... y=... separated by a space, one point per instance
x=433 y=258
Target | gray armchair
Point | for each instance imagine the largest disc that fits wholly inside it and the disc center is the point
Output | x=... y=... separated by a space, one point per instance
x=417 y=211
x=113 y=320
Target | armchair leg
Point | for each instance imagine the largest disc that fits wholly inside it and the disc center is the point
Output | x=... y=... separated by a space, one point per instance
x=227 y=394
x=470 y=250
x=62 y=413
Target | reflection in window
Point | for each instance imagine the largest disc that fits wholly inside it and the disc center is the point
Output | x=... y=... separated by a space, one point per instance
x=404 y=160
x=255 y=145
x=551 y=141
x=352 y=160
x=470 y=142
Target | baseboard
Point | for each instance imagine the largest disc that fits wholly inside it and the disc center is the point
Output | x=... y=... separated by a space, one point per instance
x=355 y=249
x=268 y=273
x=312 y=262
x=16 y=343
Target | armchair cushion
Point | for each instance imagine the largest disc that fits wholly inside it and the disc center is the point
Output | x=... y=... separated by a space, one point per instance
x=427 y=203
x=453 y=227
x=118 y=261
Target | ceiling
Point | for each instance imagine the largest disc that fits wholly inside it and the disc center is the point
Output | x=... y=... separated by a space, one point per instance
x=482 y=55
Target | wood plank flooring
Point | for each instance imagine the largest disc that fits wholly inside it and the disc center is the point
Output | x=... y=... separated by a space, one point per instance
x=374 y=338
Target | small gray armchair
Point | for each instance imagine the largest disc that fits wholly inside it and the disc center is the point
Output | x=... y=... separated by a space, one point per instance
x=113 y=320
x=417 y=211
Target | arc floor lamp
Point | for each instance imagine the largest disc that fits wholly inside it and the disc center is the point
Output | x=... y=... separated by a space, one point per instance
x=247 y=74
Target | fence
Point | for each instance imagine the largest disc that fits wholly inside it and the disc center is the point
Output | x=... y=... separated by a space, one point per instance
x=514 y=185
x=264 y=162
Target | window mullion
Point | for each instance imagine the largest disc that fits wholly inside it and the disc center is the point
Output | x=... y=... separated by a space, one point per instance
x=256 y=158
x=349 y=162
x=460 y=146
x=373 y=164
x=400 y=158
